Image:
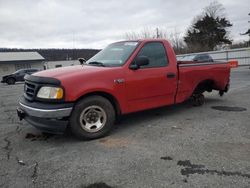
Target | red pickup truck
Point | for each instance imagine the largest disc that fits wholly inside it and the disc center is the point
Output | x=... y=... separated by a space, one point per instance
x=124 y=77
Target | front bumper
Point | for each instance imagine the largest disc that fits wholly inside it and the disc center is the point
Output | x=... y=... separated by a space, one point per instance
x=52 y=118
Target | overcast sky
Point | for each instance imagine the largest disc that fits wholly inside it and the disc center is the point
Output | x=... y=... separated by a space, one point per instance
x=96 y=23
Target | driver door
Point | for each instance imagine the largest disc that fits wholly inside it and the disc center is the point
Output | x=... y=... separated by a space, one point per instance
x=19 y=76
x=149 y=86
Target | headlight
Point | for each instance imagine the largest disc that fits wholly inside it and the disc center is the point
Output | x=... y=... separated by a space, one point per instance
x=50 y=93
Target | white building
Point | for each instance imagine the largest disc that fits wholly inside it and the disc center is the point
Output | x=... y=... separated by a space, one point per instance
x=13 y=61
x=57 y=64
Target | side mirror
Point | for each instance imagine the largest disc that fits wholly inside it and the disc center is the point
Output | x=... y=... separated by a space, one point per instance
x=138 y=62
x=82 y=60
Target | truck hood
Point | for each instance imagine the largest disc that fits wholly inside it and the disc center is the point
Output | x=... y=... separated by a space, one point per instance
x=71 y=72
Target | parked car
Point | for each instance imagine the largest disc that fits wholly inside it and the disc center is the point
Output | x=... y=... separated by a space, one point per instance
x=197 y=57
x=17 y=76
x=124 y=77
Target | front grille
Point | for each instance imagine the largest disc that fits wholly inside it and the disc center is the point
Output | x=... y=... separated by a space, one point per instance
x=30 y=90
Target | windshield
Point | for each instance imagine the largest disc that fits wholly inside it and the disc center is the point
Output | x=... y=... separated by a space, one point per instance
x=18 y=71
x=114 y=54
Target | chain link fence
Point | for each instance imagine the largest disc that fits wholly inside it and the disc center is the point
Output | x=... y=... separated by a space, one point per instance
x=240 y=54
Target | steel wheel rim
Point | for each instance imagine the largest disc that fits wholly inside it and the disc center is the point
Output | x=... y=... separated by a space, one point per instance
x=93 y=118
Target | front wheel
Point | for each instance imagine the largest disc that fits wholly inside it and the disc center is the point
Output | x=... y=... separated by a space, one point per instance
x=92 y=117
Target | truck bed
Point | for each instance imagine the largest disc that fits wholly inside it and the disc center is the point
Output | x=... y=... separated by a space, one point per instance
x=193 y=74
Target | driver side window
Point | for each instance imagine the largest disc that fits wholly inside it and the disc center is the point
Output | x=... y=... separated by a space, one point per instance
x=155 y=52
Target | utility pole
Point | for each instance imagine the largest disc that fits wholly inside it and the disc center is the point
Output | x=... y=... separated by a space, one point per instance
x=73 y=45
x=157 y=33
x=249 y=33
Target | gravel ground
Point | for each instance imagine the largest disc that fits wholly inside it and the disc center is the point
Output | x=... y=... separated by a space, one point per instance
x=175 y=146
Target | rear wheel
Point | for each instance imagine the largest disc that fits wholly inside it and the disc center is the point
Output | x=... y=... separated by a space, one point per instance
x=199 y=99
x=10 y=81
x=92 y=117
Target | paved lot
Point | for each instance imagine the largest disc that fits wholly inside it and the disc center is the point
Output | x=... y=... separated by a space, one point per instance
x=177 y=146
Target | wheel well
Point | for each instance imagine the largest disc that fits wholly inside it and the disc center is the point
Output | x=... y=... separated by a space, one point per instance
x=206 y=85
x=108 y=96
x=11 y=77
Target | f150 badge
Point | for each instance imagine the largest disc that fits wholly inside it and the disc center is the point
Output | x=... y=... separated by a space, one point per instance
x=119 y=81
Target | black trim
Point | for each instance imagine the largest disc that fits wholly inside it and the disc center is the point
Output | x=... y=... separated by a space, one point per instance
x=47 y=106
x=171 y=75
x=42 y=80
x=53 y=126
x=39 y=82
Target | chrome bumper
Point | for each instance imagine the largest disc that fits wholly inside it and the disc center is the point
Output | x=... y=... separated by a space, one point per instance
x=46 y=113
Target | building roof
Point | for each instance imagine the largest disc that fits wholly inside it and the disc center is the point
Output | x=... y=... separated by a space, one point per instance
x=20 y=56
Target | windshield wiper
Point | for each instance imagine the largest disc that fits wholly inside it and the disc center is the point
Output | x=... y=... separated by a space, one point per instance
x=96 y=63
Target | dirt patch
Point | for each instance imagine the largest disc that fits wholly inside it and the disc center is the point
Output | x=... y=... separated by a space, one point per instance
x=39 y=137
x=229 y=108
x=115 y=142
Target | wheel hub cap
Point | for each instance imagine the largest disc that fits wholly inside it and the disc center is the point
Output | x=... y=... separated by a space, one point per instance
x=93 y=118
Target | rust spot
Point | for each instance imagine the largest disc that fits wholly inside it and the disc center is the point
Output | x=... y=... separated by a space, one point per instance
x=115 y=142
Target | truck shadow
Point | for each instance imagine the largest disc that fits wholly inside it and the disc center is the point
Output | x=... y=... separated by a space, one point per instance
x=127 y=121
x=152 y=115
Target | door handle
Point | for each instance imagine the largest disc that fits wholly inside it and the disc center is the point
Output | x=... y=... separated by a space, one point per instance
x=170 y=75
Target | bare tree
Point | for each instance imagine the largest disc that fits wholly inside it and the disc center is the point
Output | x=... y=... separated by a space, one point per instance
x=214 y=10
x=177 y=41
x=247 y=33
x=131 y=35
x=145 y=33
x=174 y=37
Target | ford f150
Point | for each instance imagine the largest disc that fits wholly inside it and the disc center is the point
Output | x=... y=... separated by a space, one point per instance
x=124 y=77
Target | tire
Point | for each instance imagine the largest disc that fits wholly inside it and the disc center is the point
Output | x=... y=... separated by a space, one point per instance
x=10 y=81
x=199 y=100
x=92 y=117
